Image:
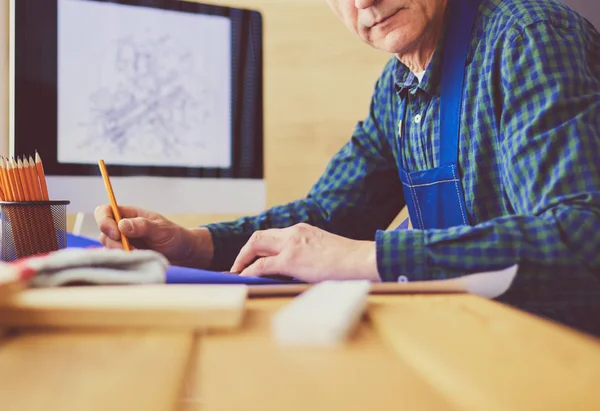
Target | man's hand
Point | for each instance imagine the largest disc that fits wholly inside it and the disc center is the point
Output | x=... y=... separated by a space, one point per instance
x=308 y=254
x=148 y=230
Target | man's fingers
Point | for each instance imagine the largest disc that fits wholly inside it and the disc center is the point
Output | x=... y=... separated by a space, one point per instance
x=106 y=220
x=262 y=266
x=261 y=244
x=107 y=242
x=134 y=227
x=102 y=211
x=132 y=212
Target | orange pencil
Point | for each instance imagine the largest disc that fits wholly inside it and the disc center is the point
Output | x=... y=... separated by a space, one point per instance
x=5 y=193
x=30 y=242
x=40 y=171
x=33 y=180
x=24 y=180
x=113 y=201
x=7 y=186
x=9 y=180
x=14 y=179
x=40 y=193
x=15 y=216
x=20 y=186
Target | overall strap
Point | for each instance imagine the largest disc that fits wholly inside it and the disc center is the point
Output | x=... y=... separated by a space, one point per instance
x=461 y=19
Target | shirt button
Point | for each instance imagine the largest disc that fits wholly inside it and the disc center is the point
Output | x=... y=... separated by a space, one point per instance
x=402 y=279
x=418 y=118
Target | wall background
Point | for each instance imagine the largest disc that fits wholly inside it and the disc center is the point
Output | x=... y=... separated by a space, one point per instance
x=318 y=80
x=4 y=27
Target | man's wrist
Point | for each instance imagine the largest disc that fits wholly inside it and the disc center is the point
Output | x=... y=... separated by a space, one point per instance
x=366 y=264
x=199 y=248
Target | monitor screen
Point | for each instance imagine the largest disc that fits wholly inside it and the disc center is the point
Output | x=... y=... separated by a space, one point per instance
x=168 y=93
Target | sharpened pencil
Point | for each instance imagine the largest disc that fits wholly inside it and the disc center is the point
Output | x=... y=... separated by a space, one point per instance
x=113 y=201
x=41 y=176
x=33 y=180
x=22 y=174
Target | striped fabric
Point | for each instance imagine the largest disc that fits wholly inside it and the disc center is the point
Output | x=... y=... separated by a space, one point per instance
x=529 y=162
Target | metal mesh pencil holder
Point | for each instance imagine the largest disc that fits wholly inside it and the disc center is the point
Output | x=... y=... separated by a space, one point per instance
x=32 y=227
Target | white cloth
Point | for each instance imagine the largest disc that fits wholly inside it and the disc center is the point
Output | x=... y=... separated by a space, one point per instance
x=95 y=266
x=420 y=76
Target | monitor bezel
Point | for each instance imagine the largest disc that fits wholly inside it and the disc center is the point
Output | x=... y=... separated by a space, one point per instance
x=33 y=92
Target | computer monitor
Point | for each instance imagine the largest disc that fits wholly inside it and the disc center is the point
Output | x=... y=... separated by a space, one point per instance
x=167 y=92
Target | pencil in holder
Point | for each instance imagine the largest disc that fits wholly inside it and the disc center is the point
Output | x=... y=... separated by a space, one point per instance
x=32 y=227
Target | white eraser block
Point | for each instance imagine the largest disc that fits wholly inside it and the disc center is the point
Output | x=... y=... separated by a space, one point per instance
x=324 y=315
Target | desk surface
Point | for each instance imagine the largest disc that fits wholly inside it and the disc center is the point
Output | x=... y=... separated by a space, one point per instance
x=431 y=352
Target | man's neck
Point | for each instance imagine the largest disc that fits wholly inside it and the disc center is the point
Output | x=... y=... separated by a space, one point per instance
x=417 y=61
x=418 y=57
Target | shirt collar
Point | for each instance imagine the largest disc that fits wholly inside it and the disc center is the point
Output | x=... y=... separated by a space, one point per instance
x=404 y=79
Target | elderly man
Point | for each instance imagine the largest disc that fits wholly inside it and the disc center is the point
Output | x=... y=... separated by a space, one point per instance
x=485 y=123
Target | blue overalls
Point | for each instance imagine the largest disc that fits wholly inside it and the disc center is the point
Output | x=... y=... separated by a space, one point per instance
x=435 y=197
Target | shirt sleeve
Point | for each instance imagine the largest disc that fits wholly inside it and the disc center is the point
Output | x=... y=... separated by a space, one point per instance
x=550 y=171
x=358 y=193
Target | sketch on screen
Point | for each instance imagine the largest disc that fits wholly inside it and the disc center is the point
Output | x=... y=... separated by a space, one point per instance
x=151 y=107
x=141 y=86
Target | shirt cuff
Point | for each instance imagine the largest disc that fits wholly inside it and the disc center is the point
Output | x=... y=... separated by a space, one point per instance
x=401 y=255
x=227 y=243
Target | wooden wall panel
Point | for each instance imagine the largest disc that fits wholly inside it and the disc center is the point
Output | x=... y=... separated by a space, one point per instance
x=318 y=80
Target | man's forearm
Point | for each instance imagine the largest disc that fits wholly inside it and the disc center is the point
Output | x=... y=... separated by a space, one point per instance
x=446 y=253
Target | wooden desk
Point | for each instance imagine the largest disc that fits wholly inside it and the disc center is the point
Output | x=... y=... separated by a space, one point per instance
x=247 y=370
x=452 y=352
x=93 y=370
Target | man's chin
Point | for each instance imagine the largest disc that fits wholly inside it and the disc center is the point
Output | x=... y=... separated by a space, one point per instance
x=392 y=43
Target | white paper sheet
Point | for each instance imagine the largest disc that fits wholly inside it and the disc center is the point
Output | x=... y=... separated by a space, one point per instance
x=490 y=285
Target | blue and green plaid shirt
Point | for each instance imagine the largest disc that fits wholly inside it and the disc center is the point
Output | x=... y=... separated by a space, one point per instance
x=529 y=161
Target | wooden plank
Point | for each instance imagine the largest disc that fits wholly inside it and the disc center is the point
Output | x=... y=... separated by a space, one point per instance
x=74 y=371
x=166 y=306
x=9 y=287
x=246 y=369
x=416 y=287
x=12 y=280
x=482 y=355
